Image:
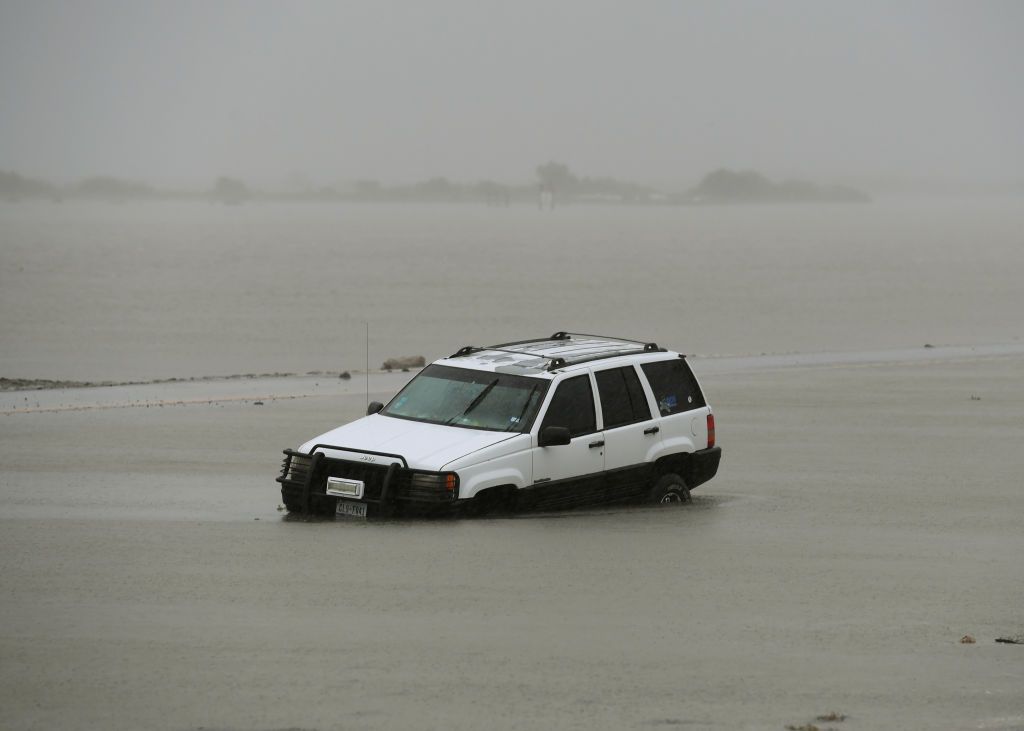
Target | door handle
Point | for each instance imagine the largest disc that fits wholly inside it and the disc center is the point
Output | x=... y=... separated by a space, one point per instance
x=652 y=430
x=595 y=445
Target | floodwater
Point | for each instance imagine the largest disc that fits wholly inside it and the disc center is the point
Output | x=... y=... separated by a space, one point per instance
x=866 y=517
x=162 y=290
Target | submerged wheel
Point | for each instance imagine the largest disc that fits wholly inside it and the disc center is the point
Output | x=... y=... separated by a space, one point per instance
x=494 y=500
x=670 y=489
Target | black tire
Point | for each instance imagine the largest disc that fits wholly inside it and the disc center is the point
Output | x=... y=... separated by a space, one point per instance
x=494 y=500
x=669 y=489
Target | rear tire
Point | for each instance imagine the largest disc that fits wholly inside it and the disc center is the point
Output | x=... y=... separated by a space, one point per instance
x=670 y=489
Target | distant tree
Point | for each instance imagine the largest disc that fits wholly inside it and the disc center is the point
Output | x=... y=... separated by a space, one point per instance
x=15 y=186
x=436 y=189
x=729 y=186
x=366 y=188
x=494 y=194
x=105 y=186
x=556 y=176
x=230 y=190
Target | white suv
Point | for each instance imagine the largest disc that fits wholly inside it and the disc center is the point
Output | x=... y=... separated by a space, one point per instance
x=550 y=423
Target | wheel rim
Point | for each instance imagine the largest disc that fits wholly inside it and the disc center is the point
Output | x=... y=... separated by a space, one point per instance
x=671 y=498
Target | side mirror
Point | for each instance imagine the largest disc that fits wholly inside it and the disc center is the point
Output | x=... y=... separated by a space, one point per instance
x=374 y=407
x=553 y=436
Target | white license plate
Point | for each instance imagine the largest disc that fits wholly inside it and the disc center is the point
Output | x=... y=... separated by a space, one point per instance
x=350 y=510
x=340 y=487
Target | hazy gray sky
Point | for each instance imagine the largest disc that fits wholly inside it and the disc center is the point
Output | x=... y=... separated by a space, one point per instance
x=179 y=92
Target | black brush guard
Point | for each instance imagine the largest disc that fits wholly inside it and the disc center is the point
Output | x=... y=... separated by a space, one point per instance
x=304 y=484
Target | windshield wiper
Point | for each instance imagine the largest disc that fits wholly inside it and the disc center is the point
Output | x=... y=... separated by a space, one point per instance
x=519 y=421
x=476 y=401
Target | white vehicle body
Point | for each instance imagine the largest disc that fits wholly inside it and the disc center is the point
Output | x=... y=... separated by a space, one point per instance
x=606 y=457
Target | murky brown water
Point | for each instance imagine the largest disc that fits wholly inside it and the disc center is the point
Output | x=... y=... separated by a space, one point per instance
x=866 y=516
x=115 y=292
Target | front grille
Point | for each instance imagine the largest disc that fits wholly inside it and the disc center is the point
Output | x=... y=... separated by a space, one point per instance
x=304 y=482
x=371 y=475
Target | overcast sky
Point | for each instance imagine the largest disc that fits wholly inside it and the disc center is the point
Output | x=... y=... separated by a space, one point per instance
x=180 y=92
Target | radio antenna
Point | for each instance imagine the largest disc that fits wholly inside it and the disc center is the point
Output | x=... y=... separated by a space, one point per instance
x=367 y=364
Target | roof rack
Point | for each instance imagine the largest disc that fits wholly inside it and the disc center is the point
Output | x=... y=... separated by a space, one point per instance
x=557 y=362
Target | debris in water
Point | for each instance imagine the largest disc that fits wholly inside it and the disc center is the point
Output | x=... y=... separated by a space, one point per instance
x=832 y=716
x=928 y=345
x=967 y=640
x=1011 y=639
x=408 y=361
x=975 y=398
x=257 y=403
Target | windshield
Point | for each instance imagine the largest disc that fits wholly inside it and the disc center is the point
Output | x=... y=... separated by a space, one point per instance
x=468 y=398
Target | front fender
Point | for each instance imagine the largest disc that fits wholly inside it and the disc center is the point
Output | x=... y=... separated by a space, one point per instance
x=472 y=483
x=506 y=463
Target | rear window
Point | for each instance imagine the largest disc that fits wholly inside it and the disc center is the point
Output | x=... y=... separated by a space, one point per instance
x=675 y=388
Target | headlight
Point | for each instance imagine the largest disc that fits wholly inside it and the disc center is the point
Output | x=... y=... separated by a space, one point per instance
x=446 y=481
x=298 y=468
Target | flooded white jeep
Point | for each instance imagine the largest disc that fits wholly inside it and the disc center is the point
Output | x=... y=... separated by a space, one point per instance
x=560 y=422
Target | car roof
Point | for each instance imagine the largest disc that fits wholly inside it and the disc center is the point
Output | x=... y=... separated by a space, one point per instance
x=559 y=353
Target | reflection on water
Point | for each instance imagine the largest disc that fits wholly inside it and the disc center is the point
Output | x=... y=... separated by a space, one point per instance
x=640 y=514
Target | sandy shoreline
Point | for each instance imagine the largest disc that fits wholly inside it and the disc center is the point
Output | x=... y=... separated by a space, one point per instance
x=866 y=517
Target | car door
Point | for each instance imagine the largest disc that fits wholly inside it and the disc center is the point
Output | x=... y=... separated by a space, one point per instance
x=565 y=475
x=629 y=430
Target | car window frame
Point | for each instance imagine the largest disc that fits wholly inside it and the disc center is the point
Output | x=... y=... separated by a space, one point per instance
x=690 y=376
x=542 y=414
x=644 y=390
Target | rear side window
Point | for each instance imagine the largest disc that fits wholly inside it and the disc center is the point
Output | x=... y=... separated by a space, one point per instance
x=675 y=388
x=622 y=397
x=572 y=406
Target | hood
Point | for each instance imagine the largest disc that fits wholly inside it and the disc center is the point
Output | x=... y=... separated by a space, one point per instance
x=424 y=446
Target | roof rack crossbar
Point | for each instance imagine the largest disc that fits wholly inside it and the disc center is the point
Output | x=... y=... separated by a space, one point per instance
x=470 y=349
x=562 y=335
x=556 y=362
x=562 y=362
x=531 y=340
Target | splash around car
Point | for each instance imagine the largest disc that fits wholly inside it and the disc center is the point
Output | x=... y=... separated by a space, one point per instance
x=552 y=423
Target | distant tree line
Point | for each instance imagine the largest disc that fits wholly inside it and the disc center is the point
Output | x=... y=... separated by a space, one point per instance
x=728 y=186
x=14 y=187
x=555 y=184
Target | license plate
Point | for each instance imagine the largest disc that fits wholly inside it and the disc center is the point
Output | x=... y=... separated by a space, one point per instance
x=340 y=487
x=348 y=509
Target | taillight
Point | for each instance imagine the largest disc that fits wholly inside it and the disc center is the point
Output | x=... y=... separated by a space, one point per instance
x=711 y=430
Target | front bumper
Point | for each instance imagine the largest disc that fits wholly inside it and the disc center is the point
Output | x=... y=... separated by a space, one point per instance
x=387 y=489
